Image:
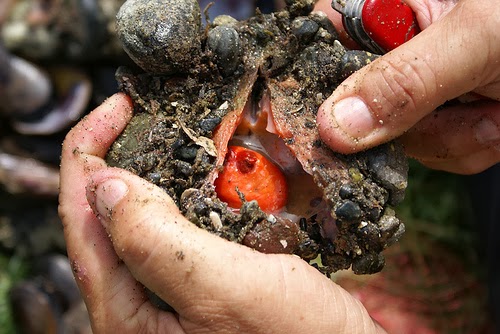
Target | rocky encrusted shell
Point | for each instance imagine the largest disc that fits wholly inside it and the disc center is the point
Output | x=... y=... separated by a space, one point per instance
x=161 y=36
x=183 y=123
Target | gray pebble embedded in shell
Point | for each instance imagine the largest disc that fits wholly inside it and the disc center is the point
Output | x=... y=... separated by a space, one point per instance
x=389 y=169
x=225 y=43
x=299 y=7
x=353 y=60
x=304 y=28
x=160 y=35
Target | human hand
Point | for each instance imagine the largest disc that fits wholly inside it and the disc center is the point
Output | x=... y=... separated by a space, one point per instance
x=397 y=95
x=123 y=232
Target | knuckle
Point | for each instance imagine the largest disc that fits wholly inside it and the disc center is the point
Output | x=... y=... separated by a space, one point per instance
x=468 y=165
x=405 y=84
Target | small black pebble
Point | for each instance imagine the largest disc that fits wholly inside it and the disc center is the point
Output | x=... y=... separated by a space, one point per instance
x=348 y=211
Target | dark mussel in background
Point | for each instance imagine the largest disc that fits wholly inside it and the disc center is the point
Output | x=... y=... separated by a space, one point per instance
x=50 y=301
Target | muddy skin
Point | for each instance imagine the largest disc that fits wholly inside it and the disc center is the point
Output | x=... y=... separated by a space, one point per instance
x=187 y=110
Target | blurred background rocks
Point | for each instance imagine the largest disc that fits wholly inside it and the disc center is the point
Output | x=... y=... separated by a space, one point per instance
x=57 y=63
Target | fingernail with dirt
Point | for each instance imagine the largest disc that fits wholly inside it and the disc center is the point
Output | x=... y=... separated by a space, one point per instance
x=105 y=196
x=353 y=117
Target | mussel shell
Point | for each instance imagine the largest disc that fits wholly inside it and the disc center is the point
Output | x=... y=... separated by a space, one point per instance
x=50 y=301
x=24 y=87
x=32 y=309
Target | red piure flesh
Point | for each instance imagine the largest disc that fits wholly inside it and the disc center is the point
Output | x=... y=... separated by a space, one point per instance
x=254 y=176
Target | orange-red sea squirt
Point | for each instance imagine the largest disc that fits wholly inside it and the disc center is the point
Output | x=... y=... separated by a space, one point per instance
x=255 y=177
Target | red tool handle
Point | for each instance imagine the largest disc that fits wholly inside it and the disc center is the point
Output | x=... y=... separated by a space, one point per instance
x=389 y=23
x=378 y=25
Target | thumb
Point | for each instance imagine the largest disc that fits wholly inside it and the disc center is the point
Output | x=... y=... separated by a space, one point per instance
x=160 y=247
x=386 y=98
